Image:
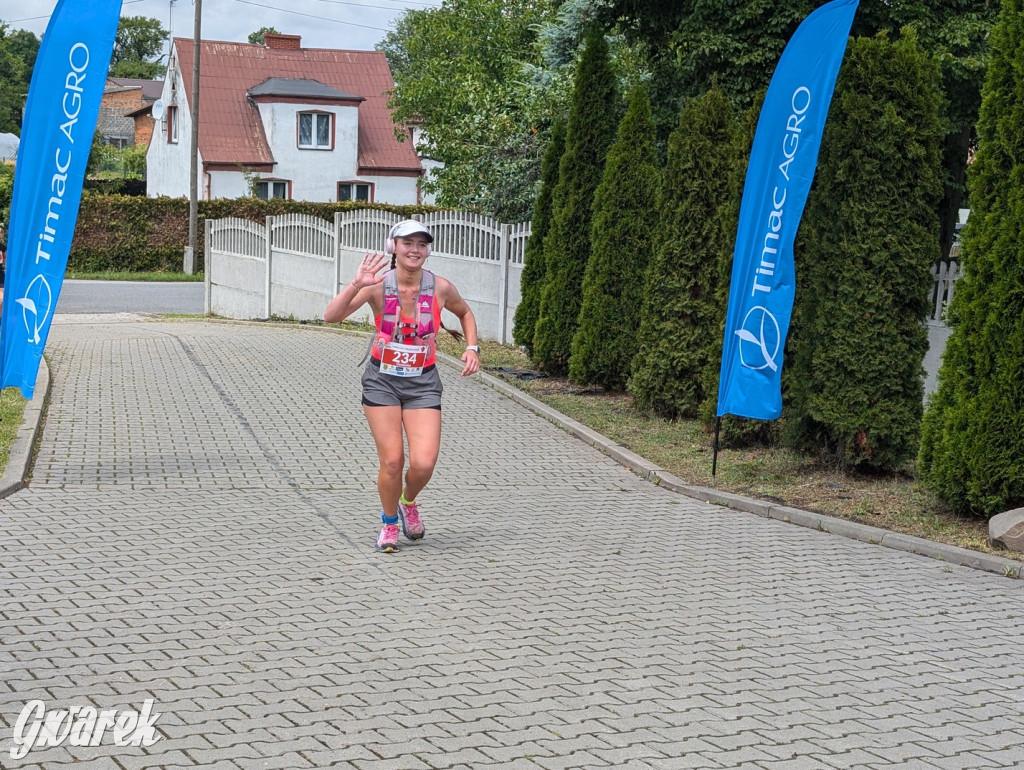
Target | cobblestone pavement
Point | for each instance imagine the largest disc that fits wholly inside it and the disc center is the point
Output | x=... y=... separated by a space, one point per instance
x=199 y=530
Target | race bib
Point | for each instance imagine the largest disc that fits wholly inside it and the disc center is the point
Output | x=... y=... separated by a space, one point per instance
x=400 y=360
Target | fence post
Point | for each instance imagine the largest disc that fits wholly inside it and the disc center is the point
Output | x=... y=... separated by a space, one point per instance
x=268 y=251
x=504 y=250
x=337 y=254
x=207 y=277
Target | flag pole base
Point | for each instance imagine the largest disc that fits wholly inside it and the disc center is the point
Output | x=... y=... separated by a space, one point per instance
x=714 y=454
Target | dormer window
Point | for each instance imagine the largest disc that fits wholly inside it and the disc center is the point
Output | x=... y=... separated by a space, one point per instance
x=316 y=131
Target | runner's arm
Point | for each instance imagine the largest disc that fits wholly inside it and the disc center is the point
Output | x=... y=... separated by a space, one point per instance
x=455 y=304
x=362 y=289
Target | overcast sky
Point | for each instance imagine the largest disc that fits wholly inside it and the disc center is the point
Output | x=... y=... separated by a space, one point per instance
x=351 y=24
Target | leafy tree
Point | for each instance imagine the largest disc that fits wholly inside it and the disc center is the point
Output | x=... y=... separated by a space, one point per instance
x=589 y=132
x=972 y=453
x=680 y=325
x=18 y=50
x=6 y=191
x=457 y=73
x=534 y=270
x=869 y=239
x=256 y=38
x=622 y=237
x=138 y=48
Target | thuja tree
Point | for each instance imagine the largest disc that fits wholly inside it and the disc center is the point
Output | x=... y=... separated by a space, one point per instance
x=735 y=431
x=534 y=270
x=624 y=226
x=972 y=450
x=680 y=318
x=868 y=240
x=593 y=118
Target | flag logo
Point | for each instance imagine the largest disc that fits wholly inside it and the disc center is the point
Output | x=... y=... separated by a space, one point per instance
x=763 y=342
x=36 y=305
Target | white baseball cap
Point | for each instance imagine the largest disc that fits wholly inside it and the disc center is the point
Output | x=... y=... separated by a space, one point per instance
x=408 y=227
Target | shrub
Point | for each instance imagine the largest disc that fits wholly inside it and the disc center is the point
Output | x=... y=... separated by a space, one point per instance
x=869 y=238
x=121 y=233
x=624 y=226
x=972 y=451
x=590 y=131
x=531 y=283
x=681 y=322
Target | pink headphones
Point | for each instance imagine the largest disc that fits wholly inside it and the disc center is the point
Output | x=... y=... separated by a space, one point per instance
x=418 y=227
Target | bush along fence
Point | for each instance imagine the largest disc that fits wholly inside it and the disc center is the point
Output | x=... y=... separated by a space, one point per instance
x=291 y=266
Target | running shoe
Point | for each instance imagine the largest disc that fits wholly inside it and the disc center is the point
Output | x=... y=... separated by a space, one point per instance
x=387 y=540
x=412 y=527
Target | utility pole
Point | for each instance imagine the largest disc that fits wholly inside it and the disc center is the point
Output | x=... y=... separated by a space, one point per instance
x=193 y=200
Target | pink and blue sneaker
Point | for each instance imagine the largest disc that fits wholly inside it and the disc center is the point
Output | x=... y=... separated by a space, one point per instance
x=412 y=527
x=387 y=540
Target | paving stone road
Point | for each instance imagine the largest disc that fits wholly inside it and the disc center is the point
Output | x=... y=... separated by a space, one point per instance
x=198 y=531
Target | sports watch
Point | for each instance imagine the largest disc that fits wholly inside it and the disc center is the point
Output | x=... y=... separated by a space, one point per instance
x=474 y=348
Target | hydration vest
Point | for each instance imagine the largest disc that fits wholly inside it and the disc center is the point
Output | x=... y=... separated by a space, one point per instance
x=389 y=328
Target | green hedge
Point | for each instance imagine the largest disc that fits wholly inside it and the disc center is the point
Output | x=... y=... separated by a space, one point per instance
x=681 y=323
x=868 y=239
x=625 y=224
x=122 y=233
x=593 y=120
x=972 y=442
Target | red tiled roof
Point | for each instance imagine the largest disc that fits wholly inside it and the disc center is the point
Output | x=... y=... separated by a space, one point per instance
x=230 y=129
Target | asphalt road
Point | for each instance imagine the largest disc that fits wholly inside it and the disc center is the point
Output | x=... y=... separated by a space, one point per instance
x=131 y=297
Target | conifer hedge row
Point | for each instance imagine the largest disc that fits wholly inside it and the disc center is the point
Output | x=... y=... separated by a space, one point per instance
x=531 y=282
x=593 y=118
x=854 y=376
x=869 y=236
x=625 y=223
x=972 y=443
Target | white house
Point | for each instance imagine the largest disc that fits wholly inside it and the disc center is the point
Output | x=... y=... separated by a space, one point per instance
x=284 y=122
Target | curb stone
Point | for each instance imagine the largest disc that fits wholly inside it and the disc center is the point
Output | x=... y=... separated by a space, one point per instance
x=20 y=459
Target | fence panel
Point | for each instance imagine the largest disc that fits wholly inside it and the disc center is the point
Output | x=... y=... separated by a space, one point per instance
x=944 y=277
x=310 y=260
x=236 y=268
x=303 y=249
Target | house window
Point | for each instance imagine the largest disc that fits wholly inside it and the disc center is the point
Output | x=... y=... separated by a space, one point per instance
x=172 y=124
x=271 y=189
x=315 y=130
x=355 y=191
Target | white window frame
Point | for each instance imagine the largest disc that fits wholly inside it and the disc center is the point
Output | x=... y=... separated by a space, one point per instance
x=316 y=119
x=270 y=186
x=353 y=191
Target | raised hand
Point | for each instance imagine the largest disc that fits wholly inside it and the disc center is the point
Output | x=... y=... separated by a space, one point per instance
x=367 y=272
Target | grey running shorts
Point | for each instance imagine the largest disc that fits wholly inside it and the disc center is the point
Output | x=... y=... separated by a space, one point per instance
x=422 y=392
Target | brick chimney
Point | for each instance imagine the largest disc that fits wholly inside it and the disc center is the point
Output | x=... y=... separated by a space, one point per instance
x=282 y=42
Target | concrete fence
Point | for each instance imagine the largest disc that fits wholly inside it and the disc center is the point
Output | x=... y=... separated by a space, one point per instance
x=294 y=264
x=944 y=276
x=291 y=266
